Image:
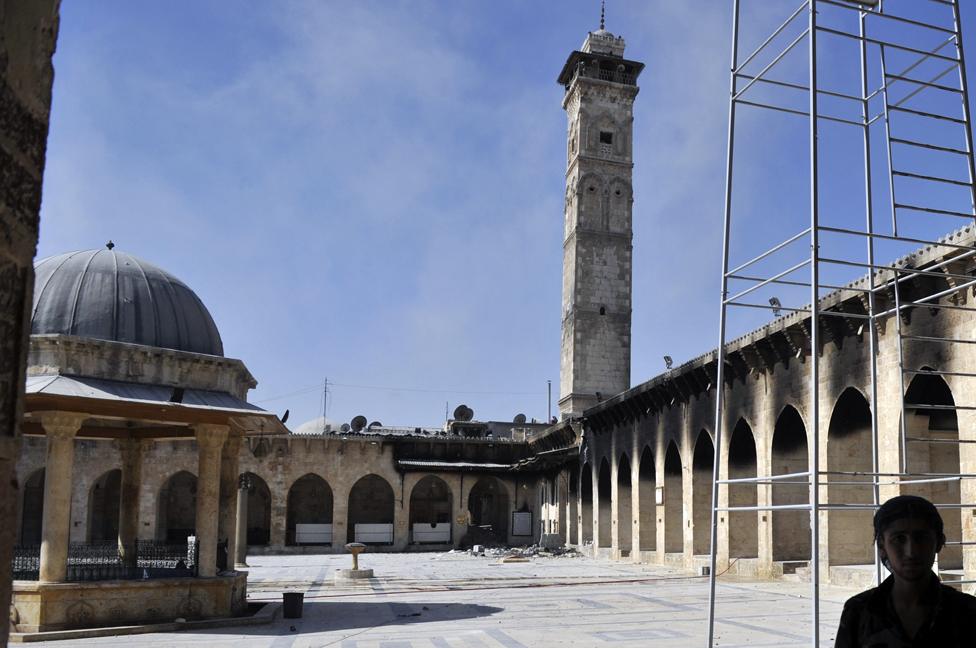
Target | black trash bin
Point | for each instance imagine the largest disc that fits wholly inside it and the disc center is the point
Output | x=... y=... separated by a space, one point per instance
x=293 y=604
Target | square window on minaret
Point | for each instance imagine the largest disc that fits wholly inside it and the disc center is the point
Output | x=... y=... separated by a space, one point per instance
x=606 y=137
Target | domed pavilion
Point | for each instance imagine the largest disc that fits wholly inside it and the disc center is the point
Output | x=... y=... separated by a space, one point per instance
x=124 y=355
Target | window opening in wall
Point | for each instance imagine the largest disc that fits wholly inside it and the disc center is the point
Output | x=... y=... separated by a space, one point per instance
x=603 y=310
x=606 y=137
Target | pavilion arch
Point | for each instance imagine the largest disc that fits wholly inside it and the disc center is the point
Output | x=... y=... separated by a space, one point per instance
x=850 y=533
x=646 y=483
x=488 y=504
x=371 y=511
x=673 y=532
x=624 y=506
x=702 y=464
x=605 y=505
x=743 y=525
x=791 y=529
x=177 y=508
x=309 y=503
x=104 y=498
x=32 y=508
x=258 y=511
x=586 y=504
x=572 y=525
x=431 y=504
x=932 y=447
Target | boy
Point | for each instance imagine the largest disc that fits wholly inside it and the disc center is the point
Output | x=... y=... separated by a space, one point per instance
x=911 y=607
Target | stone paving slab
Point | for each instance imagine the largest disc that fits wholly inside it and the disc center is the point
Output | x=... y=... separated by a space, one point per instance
x=454 y=600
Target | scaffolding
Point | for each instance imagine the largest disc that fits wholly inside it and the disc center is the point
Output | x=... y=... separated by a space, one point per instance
x=886 y=78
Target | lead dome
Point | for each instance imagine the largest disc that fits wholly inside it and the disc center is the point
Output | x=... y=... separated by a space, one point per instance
x=110 y=295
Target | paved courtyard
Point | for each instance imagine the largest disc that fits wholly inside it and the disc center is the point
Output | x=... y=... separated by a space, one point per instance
x=455 y=600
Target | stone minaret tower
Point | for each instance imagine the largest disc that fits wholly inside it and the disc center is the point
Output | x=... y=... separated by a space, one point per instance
x=601 y=86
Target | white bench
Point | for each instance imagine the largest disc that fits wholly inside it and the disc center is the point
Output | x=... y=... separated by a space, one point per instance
x=374 y=533
x=313 y=534
x=432 y=532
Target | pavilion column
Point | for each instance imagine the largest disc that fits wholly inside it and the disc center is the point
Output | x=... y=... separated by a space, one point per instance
x=227 y=525
x=240 y=547
x=132 y=451
x=60 y=429
x=210 y=440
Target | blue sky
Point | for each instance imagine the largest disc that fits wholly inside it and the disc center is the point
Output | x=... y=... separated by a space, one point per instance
x=372 y=191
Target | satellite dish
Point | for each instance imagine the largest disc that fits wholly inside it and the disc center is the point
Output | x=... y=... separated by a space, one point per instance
x=284 y=417
x=358 y=423
x=519 y=419
x=344 y=427
x=463 y=413
x=374 y=424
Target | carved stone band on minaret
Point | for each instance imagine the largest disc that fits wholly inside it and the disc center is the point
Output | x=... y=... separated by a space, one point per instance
x=60 y=428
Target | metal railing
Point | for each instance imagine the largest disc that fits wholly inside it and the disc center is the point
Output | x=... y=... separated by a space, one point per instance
x=100 y=562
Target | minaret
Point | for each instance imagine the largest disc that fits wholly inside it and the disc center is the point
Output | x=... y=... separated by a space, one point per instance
x=601 y=86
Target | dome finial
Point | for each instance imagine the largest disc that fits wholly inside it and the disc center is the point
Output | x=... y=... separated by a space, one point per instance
x=110 y=245
x=603 y=13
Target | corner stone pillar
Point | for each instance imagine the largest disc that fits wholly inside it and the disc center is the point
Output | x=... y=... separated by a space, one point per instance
x=229 y=472
x=240 y=546
x=210 y=440
x=132 y=451
x=56 y=525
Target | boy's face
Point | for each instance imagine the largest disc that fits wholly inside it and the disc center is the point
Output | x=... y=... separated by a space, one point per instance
x=910 y=545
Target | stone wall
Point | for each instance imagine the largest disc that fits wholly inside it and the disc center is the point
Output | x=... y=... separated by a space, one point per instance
x=277 y=464
x=28 y=34
x=768 y=406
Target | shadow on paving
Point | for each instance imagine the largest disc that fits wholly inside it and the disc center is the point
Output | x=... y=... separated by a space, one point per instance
x=320 y=616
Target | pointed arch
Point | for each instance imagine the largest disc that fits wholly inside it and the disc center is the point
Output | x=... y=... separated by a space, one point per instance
x=32 y=509
x=572 y=525
x=624 y=506
x=673 y=535
x=605 y=505
x=932 y=447
x=702 y=464
x=371 y=511
x=104 y=498
x=791 y=529
x=430 y=511
x=850 y=539
x=177 y=508
x=490 y=509
x=309 y=503
x=586 y=504
x=647 y=482
x=743 y=525
x=258 y=511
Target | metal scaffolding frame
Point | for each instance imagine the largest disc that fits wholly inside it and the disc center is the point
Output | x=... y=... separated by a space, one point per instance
x=890 y=88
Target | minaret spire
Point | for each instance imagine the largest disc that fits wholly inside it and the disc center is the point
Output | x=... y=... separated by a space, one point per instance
x=603 y=13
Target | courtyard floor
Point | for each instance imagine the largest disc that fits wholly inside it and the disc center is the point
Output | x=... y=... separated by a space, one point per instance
x=456 y=600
